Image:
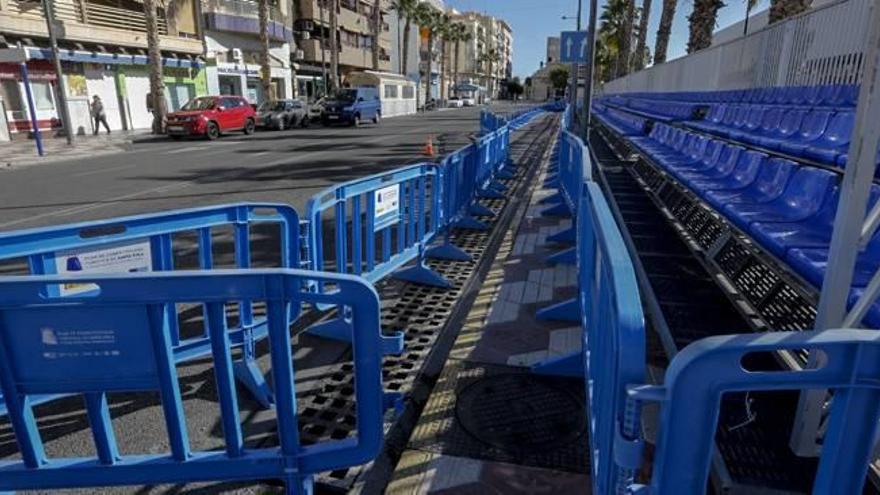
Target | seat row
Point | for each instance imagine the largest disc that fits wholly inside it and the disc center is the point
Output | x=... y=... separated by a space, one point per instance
x=663 y=111
x=623 y=123
x=787 y=208
x=820 y=135
x=828 y=95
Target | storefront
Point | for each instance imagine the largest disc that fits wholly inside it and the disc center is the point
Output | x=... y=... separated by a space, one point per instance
x=244 y=80
x=120 y=81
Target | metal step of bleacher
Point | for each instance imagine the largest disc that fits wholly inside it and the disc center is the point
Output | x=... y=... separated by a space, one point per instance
x=684 y=303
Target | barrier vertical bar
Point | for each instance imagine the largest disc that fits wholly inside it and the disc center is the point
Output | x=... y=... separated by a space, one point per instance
x=102 y=428
x=215 y=317
x=169 y=388
x=21 y=414
x=356 y=248
x=371 y=231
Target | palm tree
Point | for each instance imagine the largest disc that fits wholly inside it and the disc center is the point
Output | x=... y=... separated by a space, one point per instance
x=611 y=35
x=626 y=35
x=376 y=28
x=460 y=34
x=783 y=9
x=334 y=44
x=265 y=68
x=663 y=31
x=750 y=4
x=444 y=29
x=154 y=55
x=490 y=57
x=702 y=23
x=407 y=10
x=426 y=16
x=644 y=16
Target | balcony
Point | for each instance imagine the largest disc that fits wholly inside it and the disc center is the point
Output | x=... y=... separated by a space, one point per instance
x=361 y=58
x=93 y=22
x=242 y=16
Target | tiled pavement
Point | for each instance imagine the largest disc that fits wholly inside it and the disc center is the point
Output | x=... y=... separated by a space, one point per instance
x=21 y=151
x=500 y=338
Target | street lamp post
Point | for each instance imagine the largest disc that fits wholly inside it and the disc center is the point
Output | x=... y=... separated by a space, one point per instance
x=588 y=83
x=49 y=10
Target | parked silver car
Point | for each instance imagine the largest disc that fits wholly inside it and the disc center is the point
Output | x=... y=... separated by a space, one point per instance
x=283 y=114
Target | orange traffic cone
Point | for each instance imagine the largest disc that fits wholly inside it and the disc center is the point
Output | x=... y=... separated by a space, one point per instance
x=429 y=147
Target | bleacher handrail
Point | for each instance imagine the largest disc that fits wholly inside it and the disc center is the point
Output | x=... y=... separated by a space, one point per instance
x=44 y=357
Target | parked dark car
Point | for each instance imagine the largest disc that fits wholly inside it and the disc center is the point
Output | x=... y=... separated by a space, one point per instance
x=283 y=114
x=210 y=116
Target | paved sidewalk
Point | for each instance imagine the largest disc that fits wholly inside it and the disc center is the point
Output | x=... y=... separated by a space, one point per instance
x=23 y=151
x=479 y=432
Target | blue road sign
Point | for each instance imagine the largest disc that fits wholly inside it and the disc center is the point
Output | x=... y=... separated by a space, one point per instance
x=574 y=47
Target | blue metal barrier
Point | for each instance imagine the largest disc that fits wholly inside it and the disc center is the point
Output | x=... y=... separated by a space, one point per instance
x=118 y=338
x=703 y=371
x=613 y=354
x=145 y=243
x=380 y=223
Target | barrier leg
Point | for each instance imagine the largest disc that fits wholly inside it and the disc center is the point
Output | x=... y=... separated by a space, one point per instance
x=571 y=365
x=299 y=485
x=421 y=274
x=553 y=199
x=559 y=210
x=566 y=236
x=565 y=311
x=340 y=329
x=564 y=257
x=248 y=373
x=447 y=251
x=470 y=223
x=480 y=210
x=489 y=193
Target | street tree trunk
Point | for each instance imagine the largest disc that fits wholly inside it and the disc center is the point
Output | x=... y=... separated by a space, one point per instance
x=639 y=55
x=154 y=55
x=297 y=14
x=265 y=67
x=428 y=78
x=702 y=23
x=376 y=29
x=455 y=68
x=443 y=70
x=334 y=45
x=783 y=9
x=625 y=53
x=663 y=31
x=405 y=55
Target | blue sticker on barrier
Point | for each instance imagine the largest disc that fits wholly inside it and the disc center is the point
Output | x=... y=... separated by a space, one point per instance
x=387 y=207
x=49 y=343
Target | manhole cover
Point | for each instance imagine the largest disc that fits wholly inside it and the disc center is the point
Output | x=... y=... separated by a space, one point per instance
x=520 y=412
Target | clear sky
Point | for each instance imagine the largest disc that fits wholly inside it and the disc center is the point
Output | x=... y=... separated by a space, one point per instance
x=534 y=20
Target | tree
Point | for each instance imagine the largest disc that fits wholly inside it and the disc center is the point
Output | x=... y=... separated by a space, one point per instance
x=702 y=23
x=460 y=34
x=783 y=9
x=664 y=30
x=406 y=9
x=265 y=68
x=611 y=34
x=334 y=44
x=515 y=88
x=750 y=4
x=642 y=35
x=626 y=35
x=559 y=77
x=154 y=55
x=426 y=17
x=490 y=57
x=444 y=29
x=376 y=29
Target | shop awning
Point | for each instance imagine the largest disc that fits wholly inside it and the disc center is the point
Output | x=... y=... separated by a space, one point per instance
x=23 y=54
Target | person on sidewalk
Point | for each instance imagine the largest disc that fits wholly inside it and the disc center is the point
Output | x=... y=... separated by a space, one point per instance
x=98 y=114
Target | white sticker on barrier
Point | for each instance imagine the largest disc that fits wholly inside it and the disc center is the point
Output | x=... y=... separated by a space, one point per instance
x=387 y=203
x=118 y=258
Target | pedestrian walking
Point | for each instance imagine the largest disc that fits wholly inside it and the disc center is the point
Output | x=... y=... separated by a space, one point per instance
x=98 y=114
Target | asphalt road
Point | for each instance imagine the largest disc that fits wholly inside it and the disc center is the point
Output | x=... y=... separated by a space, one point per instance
x=286 y=167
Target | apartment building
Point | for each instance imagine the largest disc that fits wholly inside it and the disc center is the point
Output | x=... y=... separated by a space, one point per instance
x=311 y=55
x=486 y=59
x=103 y=50
x=232 y=48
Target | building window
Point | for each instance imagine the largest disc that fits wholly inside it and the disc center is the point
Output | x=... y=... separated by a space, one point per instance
x=12 y=98
x=391 y=91
x=42 y=91
x=409 y=92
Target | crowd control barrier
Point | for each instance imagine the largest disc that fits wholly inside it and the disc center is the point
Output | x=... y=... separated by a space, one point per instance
x=703 y=371
x=118 y=338
x=145 y=243
x=489 y=122
x=380 y=223
x=613 y=353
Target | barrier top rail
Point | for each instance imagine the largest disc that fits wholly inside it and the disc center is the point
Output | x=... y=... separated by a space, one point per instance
x=703 y=371
x=50 y=345
x=146 y=243
x=614 y=341
x=575 y=167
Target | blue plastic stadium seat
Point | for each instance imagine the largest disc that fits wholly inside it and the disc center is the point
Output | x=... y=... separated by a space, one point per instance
x=771 y=180
x=872 y=319
x=724 y=166
x=811 y=263
x=812 y=128
x=788 y=127
x=745 y=172
x=816 y=232
x=707 y=160
x=834 y=142
x=803 y=196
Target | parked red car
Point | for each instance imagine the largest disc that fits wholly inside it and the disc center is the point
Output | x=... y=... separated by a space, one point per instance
x=211 y=116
